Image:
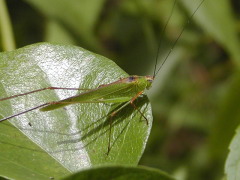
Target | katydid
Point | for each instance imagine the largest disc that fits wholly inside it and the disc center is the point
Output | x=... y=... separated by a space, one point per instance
x=125 y=91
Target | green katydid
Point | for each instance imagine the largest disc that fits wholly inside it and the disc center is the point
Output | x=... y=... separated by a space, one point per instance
x=125 y=90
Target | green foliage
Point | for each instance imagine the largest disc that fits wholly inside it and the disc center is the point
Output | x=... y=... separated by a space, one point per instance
x=194 y=97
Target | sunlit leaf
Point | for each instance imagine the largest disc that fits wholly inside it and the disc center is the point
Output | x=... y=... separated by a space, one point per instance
x=76 y=136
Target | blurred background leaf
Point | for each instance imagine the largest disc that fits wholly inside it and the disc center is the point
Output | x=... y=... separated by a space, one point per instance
x=195 y=95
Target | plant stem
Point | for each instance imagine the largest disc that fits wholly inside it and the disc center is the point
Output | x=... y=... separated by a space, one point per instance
x=6 y=33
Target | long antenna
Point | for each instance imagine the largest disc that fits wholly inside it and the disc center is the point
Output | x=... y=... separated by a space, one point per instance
x=180 y=34
x=161 y=35
x=12 y=116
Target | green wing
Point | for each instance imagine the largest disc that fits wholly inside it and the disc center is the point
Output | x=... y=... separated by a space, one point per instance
x=116 y=92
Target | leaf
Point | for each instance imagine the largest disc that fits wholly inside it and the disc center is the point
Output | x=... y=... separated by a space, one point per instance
x=121 y=172
x=233 y=160
x=77 y=136
x=227 y=120
x=230 y=113
x=55 y=33
x=216 y=18
x=80 y=17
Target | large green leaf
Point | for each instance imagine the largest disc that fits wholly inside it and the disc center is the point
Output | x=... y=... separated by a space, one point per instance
x=70 y=138
x=121 y=172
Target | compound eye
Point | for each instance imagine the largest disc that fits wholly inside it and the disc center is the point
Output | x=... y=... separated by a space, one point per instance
x=131 y=78
x=150 y=79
